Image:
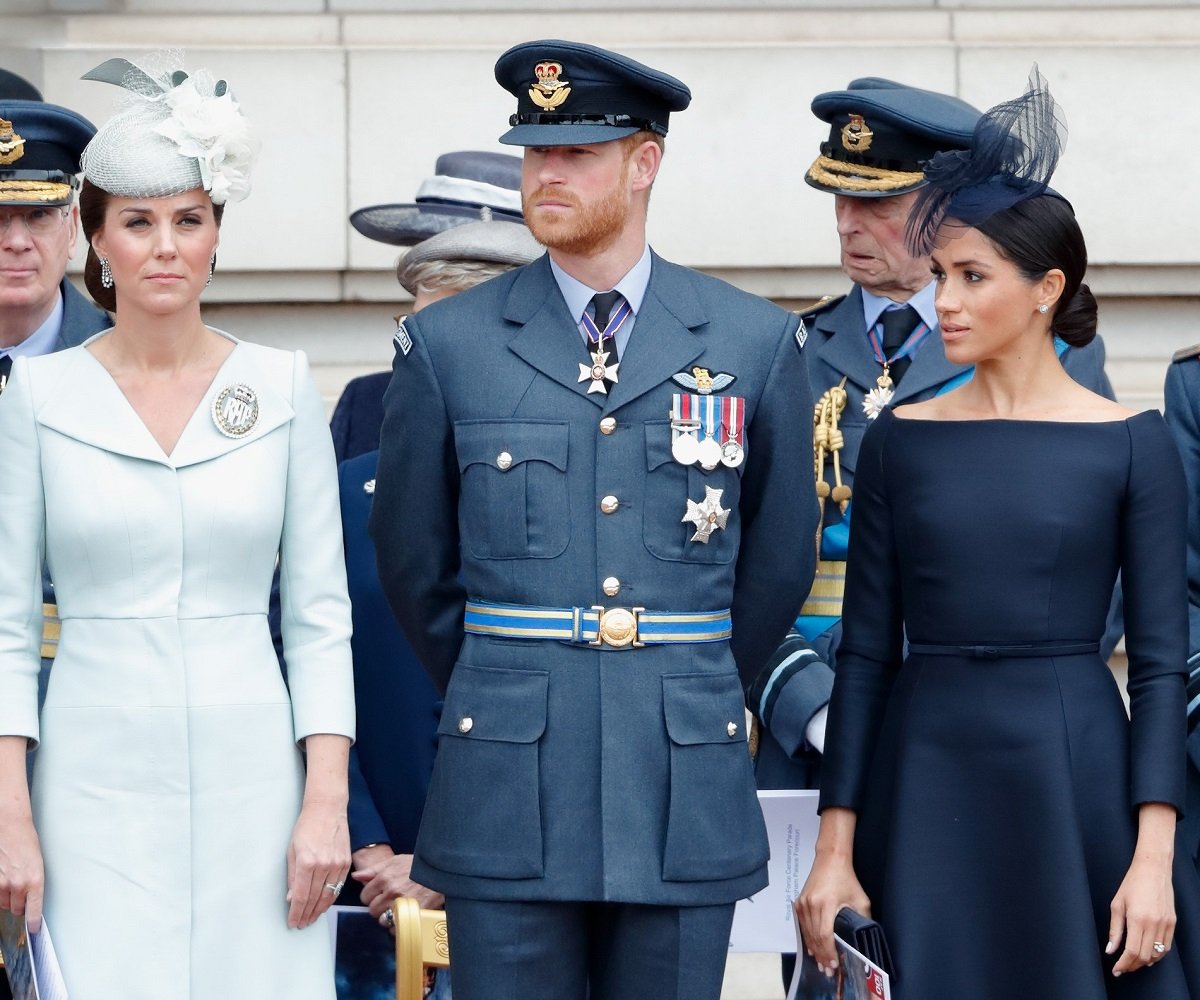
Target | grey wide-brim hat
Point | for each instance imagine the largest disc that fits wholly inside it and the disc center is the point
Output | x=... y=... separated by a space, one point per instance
x=489 y=242
x=468 y=186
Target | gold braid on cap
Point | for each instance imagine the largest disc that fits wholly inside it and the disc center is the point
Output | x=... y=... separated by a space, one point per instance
x=24 y=192
x=859 y=177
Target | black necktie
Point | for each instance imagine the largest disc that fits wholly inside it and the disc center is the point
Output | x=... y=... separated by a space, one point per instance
x=603 y=303
x=5 y=368
x=897 y=325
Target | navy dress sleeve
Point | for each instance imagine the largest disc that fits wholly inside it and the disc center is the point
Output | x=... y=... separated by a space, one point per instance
x=872 y=630
x=1153 y=569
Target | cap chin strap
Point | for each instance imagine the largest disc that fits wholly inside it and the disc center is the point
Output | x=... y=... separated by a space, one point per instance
x=615 y=121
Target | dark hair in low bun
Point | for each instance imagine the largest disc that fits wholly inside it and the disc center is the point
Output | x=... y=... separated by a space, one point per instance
x=1075 y=319
x=1041 y=234
x=93 y=205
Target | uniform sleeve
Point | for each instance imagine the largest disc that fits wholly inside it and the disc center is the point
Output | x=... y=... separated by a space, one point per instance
x=1184 y=423
x=414 y=517
x=314 y=606
x=1154 y=582
x=22 y=542
x=778 y=508
x=872 y=631
x=366 y=825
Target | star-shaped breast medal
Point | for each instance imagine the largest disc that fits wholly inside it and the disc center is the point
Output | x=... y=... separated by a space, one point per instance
x=707 y=516
x=875 y=401
x=598 y=372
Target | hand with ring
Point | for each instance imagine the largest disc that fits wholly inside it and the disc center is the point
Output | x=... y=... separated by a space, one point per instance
x=387 y=919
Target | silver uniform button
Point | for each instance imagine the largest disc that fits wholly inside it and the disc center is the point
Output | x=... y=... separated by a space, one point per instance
x=612 y=586
x=609 y=504
x=732 y=729
x=504 y=461
x=466 y=724
x=608 y=425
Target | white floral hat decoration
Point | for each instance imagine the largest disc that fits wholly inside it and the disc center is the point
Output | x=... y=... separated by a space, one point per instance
x=175 y=132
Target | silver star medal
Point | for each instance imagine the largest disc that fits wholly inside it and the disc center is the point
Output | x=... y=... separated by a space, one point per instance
x=707 y=516
x=598 y=371
x=875 y=401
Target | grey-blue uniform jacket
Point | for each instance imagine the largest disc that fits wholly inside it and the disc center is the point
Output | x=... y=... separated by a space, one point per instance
x=838 y=348
x=1182 y=395
x=564 y=771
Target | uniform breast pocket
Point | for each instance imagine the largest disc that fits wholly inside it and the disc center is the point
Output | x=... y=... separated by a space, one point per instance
x=669 y=487
x=714 y=828
x=514 y=488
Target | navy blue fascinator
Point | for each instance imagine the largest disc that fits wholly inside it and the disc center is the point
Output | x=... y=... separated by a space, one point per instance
x=1013 y=153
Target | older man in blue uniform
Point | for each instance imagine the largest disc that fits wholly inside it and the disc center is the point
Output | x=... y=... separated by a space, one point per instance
x=877 y=346
x=612 y=444
x=1182 y=395
x=40 y=311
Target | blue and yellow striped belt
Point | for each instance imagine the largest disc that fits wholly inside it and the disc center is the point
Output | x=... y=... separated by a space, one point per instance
x=614 y=628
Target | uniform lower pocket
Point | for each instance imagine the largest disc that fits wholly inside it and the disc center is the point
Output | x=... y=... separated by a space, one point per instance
x=715 y=828
x=483 y=816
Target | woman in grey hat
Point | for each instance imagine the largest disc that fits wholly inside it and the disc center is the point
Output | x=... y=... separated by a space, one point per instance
x=165 y=467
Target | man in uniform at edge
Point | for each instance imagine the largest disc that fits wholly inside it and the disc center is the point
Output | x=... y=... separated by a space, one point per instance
x=40 y=144
x=592 y=816
x=879 y=345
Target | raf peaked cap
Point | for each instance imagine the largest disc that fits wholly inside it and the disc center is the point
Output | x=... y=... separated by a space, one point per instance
x=467 y=186
x=17 y=88
x=572 y=94
x=40 y=146
x=881 y=135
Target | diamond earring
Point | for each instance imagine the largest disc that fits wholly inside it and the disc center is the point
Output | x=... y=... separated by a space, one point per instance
x=1043 y=308
x=212 y=263
x=105 y=273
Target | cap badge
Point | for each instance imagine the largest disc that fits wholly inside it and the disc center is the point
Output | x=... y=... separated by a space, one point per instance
x=857 y=135
x=549 y=91
x=235 y=410
x=12 y=146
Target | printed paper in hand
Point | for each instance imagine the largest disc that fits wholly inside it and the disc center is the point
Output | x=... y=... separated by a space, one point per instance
x=764 y=921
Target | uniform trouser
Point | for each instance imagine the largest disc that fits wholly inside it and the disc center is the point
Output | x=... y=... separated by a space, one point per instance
x=586 y=951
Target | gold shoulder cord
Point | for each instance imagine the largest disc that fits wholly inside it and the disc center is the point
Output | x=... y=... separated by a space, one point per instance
x=828 y=440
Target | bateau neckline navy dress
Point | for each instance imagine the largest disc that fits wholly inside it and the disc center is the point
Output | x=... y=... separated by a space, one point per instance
x=995 y=773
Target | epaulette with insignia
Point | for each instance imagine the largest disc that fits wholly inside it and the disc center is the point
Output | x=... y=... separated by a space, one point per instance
x=1186 y=353
x=823 y=304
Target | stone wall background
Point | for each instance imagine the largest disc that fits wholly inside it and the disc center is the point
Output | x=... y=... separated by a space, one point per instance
x=356 y=98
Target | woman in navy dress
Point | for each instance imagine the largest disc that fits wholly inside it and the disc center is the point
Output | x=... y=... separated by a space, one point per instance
x=985 y=795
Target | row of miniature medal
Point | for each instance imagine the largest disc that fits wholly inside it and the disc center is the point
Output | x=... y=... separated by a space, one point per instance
x=708 y=430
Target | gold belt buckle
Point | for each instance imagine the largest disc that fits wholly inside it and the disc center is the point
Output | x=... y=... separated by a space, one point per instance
x=618 y=627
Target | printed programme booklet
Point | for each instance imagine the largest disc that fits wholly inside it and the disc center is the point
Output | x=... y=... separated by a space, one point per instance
x=764 y=921
x=29 y=960
x=856 y=978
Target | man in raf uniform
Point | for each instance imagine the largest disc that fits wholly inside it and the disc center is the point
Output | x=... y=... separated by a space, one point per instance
x=40 y=310
x=1182 y=395
x=624 y=478
x=877 y=346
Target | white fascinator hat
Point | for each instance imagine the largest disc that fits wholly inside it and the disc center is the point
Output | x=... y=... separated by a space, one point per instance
x=175 y=131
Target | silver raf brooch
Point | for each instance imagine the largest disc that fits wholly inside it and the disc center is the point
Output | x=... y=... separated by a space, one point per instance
x=235 y=410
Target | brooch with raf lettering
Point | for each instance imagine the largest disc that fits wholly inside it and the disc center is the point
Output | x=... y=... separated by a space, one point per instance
x=235 y=410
